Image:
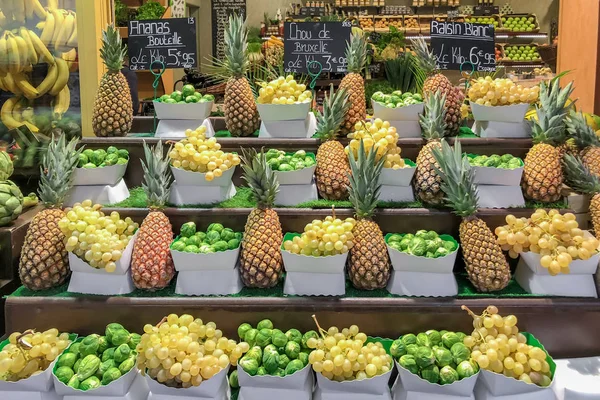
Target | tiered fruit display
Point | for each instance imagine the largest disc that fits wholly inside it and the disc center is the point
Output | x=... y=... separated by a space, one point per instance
x=439 y=357
x=500 y=92
x=273 y=352
x=99 y=158
x=30 y=353
x=422 y=244
x=519 y=24
x=323 y=238
x=483 y=20
x=397 y=99
x=11 y=198
x=98 y=360
x=506 y=161
x=497 y=345
x=521 y=53
x=385 y=22
x=186 y=95
x=198 y=153
x=284 y=162
x=284 y=90
x=345 y=355
x=216 y=238
x=94 y=237
x=555 y=236
x=411 y=23
x=380 y=137
x=182 y=351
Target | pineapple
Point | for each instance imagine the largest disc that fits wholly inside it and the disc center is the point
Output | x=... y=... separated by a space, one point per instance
x=333 y=169
x=151 y=262
x=241 y=114
x=368 y=262
x=485 y=262
x=427 y=181
x=261 y=264
x=437 y=81
x=586 y=141
x=542 y=175
x=44 y=262
x=581 y=179
x=353 y=82
x=113 y=108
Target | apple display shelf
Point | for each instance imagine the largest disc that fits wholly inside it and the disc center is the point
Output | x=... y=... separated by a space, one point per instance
x=175 y=128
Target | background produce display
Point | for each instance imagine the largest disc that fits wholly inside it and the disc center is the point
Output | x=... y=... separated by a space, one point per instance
x=187 y=94
x=281 y=161
x=506 y=161
x=99 y=158
x=491 y=20
x=397 y=99
x=521 y=53
x=215 y=239
x=523 y=23
x=422 y=244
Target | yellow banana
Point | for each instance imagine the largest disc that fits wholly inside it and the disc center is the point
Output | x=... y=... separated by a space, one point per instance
x=38 y=9
x=33 y=56
x=59 y=20
x=14 y=60
x=41 y=48
x=24 y=54
x=64 y=34
x=11 y=85
x=49 y=80
x=19 y=11
x=62 y=101
x=40 y=25
x=62 y=77
x=52 y=4
x=31 y=127
x=72 y=42
x=16 y=111
x=26 y=87
x=2 y=86
x=3 y=53
x=48 y=31
x=6 y=113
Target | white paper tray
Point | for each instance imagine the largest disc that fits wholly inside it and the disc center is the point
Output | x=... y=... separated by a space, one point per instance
x=209 y=282
x=492 y=386
x=194 y=178
x=414 y=383
x=500 y=196
x=408 y=113
x=289 y=129
x=397 y=177
x=183 y=195
x=22 y=395
x=561 y=285
x=192 y=262
x=577 y=379
x=513 y=113
x=197 y=111
x=105 y=176
x=404 y=283
x=369 y=389
x=175 y=128
x=498 y=176
x=33 y=386
x=577 y=267
x=297 y=386
x=409 y=263
x=396 y=193
x=291 y=195
x=117 y=388
x=314 y=276
x=100 y=194
x=283 y=112
x=493 y=129
x=402 y=394
x=213 y=388
x=137 y=391
x=300 y=177
x=407 y=129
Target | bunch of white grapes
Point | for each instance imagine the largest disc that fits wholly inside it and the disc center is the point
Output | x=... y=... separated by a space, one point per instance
x=497 y=345
x=182 y=351
x=501 y=92
x=381 y=137
x=30 y=353
x=345 y=356
x=555 y=236
x=198 y=154
x=323 y=238
x=97 y=238
x=284 y=91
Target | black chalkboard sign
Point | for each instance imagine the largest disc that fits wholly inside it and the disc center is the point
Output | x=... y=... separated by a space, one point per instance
x=484 y=11
x=324 y=42
x=221 y=10
x=455 y=43
x=171 y=41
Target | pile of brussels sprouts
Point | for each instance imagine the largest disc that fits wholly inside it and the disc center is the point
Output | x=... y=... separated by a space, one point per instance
x=216 y=238
x=422 y=244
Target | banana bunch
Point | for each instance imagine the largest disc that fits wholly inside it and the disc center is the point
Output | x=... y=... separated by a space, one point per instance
x=59 y=29
x=15 y=112
x=55 y=81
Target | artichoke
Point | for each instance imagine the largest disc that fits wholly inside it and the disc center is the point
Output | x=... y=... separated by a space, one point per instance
x=6 y=166
x=11 y=202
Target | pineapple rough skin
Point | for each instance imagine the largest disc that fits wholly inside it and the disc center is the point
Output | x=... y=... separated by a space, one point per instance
x=332 y=171
x=113 y=109
x=542 y=175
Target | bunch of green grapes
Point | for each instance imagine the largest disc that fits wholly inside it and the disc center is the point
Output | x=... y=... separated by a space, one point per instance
x=501 y=92
x=380 y=136
x=30 y=353
x=97 y=238
x=556 y=237
x=283 y=90
x=497 y=345
x=345 y=356
x=182 y=351
x=323 y=238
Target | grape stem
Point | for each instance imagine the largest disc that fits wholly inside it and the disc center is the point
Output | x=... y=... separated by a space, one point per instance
x=162 y=321
x=322 y=331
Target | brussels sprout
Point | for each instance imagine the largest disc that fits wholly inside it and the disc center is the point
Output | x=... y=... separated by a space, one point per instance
x=264 y=324
x=279 y=339
x=441 y=252
x=378 y=96
x=412 y=349
x=261 y=371
x=404 y=244
x=134 y=340
x=264 y=337
x=209 y=97
x=422 y=234
x=280 y=372
x=233 y=380
x=270 y=361
x=431 y=374
x=466 y=369
x=449 y=339
x=201 y=236
x=294 y=366
x=213 y=237
x=102 y=344
x=306 y=336
x=450 y=245
x=443 y=332
x=112 y=150
x=424 y=357
x=417 y=97
x=460 y=352
x=418 y=247
x=398 y=349
x=461 y=336
x=292 y=350
x=448 y=375
x=227 y=234
x=423 y=340
x=303 y=356
x=221 y=245
x=88 y=153
x=110 y=376
x=249 y=365
x=122 y=353
x=243 y=329
x=127 y=365
x=193 y=241
x=215 y=228
x=256 y=353
x=90 y=383
x=67 y=360
x=64 y=374
x=111 y=159
x=250 y=336
x=434 y=337
x=74 y=348
x=233 y=244
x=191 y=249
x=89 y=345
x=73 y=382
x=395 y=238
x=409 y=339
x=111 y=329
x=283 y=361
x=88 y=367
x=106 y=365
x=188 y=229
x=76 y=365
x=83 y=159
x=108 y=354
x=443 y=356
x=294 y=335
x=408 y=362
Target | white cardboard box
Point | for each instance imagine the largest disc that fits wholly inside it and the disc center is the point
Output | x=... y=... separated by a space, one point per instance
x=409 y=263
x=104 y=176
x=577 y=379
x=407 y=113
x=297 y=386
x=413 y=383
x=512 y=113
x=175 y=128
x=115 y=389
x=375 y=388
x=491 y=196
x=194 y=178
x=577 y=267
x=137 y=391
x=403 y=283
x=291 y=195
x=561 y=285
x=215 y=388
x=182 y=195
x=493 y=386
x=99 y=194
x=192 y=262
x=397 y=177
x=303 y=128
x=303 y=176
x=498 y=176
x=401 y=194
x=283 y=112
x=194 y=111
x=494 y=129
x=314 y=276
x=39 y=387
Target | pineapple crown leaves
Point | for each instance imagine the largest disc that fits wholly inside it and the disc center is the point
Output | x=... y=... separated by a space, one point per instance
x=56 y=172
x=364 y=181
x=335 y=108
x=356 y=53
x=425 y=58
x=433 y=120
x=157 y=176
x=260 y=177
x=458 y=179
x=579 y=130
x=552 y=112
x=236 y=47
x=579 y=177
x=113 y=50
